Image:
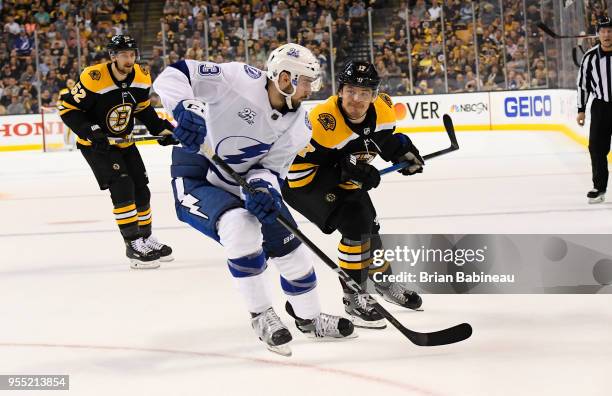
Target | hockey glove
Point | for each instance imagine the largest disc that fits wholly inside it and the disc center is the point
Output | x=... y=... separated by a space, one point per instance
x=362 y=173
x=265 y=203
x=98 y=139
x=167 y=138
x=191 y=128
x=410 y=155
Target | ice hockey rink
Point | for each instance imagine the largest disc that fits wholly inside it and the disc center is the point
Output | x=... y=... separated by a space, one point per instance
x=71 y=305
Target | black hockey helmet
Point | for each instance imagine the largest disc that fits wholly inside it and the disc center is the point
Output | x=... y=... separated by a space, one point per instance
x=121 y=42
x=604 y=22
x=360 y=74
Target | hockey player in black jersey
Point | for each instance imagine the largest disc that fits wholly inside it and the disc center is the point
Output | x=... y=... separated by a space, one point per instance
x=329 y=181
x=103 y=104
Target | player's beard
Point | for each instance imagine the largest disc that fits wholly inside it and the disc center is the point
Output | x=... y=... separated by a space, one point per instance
x=125 y=70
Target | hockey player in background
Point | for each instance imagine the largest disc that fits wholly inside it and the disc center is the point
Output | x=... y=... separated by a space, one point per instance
x=254 y=122
x=103 y=104
x=69 y=136
x=329 y=181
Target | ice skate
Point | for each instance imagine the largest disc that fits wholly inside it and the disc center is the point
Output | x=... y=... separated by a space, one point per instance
x=271 y=330
x=361 y=313
x=165 y=251
x=323 y=326
x=595 y=196
x=399 y=295
x=140 y=255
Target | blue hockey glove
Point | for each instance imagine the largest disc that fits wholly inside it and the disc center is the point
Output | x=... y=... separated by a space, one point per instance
x=265 y=203
x=191 y=128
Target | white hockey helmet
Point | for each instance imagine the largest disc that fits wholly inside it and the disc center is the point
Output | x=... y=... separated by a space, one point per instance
x=297 y=61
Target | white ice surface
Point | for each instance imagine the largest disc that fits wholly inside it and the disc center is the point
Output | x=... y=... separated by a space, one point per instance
x=69 y=304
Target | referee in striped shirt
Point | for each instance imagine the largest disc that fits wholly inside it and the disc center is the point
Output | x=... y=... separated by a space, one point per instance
x=595 y=78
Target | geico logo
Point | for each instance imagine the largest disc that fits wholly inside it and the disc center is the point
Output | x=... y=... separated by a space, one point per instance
x=421 y=110
x=31 y=128
x=528 y=106
x=469 y=108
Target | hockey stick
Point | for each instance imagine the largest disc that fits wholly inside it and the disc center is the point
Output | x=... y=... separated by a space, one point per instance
x=575 y=57
x=132 y=139
x=450 y=130
x=554 y=35
x=443 y=337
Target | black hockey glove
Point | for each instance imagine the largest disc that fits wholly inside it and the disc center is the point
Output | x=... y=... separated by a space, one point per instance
x=362 y=173
x=411 y=155
x=99 y=140
x=167 y=138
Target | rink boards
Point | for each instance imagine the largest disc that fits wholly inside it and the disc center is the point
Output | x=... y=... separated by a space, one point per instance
x=529 y=110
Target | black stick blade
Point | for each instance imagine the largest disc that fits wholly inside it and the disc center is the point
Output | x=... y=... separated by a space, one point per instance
x=450 y=129
x=448 y=336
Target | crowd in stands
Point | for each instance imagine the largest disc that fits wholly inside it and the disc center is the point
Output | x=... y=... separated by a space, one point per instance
x=511 y=50
x=257 y=27
x=56 y=25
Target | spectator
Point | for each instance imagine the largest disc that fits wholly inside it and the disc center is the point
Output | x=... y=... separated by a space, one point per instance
x=16 y=107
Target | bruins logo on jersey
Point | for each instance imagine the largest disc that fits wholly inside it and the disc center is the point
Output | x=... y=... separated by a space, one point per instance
x=328 y=121
x=364 y=156
x=118 y=118
x=95 y=75
x=386 y=99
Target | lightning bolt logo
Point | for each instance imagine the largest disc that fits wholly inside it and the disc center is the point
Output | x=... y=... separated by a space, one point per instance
x=247 y=152
x=191 y=202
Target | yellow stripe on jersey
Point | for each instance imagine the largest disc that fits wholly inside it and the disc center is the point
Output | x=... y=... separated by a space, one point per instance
x=142 y=105
x=348 y=186
x=301 y=167
x=64 y=107
x=301 y=174
x=86 y=142
x=303 y=181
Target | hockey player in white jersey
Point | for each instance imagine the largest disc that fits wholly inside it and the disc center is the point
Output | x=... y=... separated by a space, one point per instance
x=253 y=120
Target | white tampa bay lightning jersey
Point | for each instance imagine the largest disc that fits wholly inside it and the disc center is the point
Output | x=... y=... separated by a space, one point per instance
x=242 y=127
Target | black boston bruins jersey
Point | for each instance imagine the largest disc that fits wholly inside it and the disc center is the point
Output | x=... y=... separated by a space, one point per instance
x=334 y=138
x=98 y=98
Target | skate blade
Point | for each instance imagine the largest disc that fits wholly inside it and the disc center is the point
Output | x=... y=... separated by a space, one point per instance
x=365 y=324
x=313 y=337
x=282 y=350
x=166 y=259
x=599 y=199
x=419 y=309
x=135 y=264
